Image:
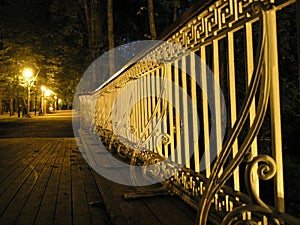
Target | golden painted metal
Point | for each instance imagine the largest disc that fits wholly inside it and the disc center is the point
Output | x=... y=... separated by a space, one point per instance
x=207 y=191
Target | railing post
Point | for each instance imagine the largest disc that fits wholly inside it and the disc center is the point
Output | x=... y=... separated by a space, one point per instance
x=272 y=67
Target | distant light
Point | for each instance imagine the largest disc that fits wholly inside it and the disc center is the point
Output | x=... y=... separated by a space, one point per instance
x=43 y=88
x=51 y=108
x=27 y=73
x=47 y=92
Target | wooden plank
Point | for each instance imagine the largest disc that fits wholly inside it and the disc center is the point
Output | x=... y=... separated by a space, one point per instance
x=120 y=211
x=156 y=210
x=16 y=180
x=167 y=212
x=113 y=209
x=32 y=206
x=95 y=203
x=184 y=207
x=80 y=209
x=63 y=210
x=22 y=194
x=47 y=207
x=12 y=153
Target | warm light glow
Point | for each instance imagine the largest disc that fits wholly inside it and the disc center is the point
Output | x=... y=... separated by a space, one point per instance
x=27 y=73
x=59 y=101
x=47 y=92
x=55 y=97
x=51 y=108
x=43 y=88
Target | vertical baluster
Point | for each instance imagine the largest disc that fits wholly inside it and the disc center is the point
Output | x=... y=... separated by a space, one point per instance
x=159 y=113
x=185 y=143
x=145 y=106
x=139 y=108
x=170 y=111
x=153 y=104
x=136 y=112
x=143 y=109
x=232 y=99
x=140 y=89
x=130 y=117
x=149 y=107
x=272 y=67
x=164 y=107
x=252 y=113
x=218 y=113
x=177 y=116
x=194 y=61
x=216 y=201
x=205 y=112
x=130 y=130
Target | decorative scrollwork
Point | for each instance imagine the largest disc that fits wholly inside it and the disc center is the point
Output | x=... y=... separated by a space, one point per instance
x=217 y=180
x=159 y=168
x=265 y=167
x=164 y=138
x=234 y=217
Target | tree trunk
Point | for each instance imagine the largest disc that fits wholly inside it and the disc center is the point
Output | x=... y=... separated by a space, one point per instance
x=99 y=22
x=11 y=100
x=110 y=29
x=151 y=19
x=110 y=24
x=176 y=7
x=94 y=16
x=88 y=21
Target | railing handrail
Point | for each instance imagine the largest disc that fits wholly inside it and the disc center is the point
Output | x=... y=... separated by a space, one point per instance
x=261 y=72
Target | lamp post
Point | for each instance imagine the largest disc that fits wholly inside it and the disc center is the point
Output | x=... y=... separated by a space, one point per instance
x=43 y=88
x=27 y=73
x=55 y=102
x=45 y=93
x=29 y=81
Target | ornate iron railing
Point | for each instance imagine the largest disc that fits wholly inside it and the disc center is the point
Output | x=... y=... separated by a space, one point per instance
x=155 y=125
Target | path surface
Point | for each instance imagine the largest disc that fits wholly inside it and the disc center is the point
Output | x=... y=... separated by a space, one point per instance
x=43 y=177
x=45 y=181
x=56 y=125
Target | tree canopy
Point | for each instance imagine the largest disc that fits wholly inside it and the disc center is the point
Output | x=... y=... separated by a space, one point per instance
x=61 y=38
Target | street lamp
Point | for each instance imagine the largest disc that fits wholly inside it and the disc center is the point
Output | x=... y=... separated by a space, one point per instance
x=45 y=93
x=55 y=102
x=29 y=80
x=27 y=74
x=43 y=88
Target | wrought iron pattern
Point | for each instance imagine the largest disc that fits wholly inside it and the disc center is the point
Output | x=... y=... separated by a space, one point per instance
x=210 y=190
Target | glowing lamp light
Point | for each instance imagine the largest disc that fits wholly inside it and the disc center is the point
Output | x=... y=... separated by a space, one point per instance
x=47 y=92
x=27 y=73
x=43 y=88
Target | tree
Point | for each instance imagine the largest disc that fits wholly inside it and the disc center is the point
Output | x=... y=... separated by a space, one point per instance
x=94 y=21
x=110 y=35
x=151 y=19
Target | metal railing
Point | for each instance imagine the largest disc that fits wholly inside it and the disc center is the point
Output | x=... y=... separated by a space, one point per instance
x=201 y=100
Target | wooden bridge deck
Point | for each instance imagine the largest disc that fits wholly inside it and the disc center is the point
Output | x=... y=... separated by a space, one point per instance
x=46 y=181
